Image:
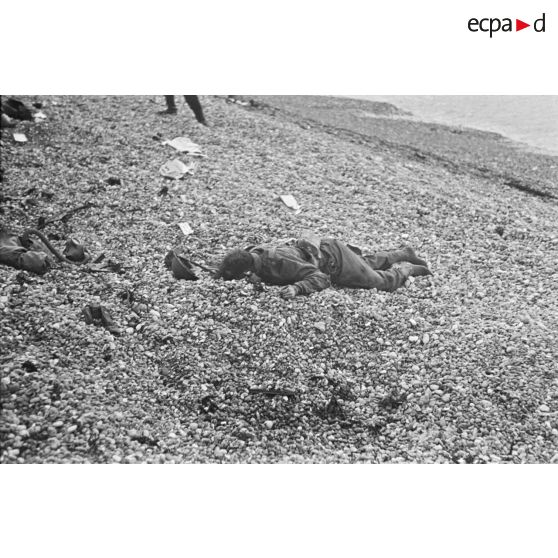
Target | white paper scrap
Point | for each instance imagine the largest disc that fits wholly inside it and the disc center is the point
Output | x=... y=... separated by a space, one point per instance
x=184 y=145
x=174 y=169
x=290 y=201
x=185 y=228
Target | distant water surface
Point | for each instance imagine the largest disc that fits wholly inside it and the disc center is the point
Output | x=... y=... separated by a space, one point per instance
x=530 y=119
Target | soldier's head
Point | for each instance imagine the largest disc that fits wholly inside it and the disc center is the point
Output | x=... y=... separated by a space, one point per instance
x=235 y=265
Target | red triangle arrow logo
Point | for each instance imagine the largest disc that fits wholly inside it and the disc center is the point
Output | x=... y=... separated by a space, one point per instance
x=519 y=25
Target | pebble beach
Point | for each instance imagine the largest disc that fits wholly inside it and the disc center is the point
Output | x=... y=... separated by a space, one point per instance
x=460 y=367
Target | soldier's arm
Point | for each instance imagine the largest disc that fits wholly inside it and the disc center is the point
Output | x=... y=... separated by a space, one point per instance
x=312 y=282
x=290 y=269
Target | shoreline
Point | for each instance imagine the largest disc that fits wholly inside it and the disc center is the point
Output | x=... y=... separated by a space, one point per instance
x=415 y=110
x=465 y=149
x=513 y=143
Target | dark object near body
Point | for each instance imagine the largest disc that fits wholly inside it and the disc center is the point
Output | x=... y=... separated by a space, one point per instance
x=23 y=253
x=98 y=315
x=180 y=266
x=16 y=109
x=76 y=252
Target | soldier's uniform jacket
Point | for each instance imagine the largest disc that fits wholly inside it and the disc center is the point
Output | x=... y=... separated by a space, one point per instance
x=289 y=265
x=292 y=263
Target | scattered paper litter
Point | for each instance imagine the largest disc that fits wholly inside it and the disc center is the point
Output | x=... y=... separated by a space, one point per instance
x=290 y=201
x=39 y=116
x=185 y=228
x=184 y=145
x=175 y=169
x=20 y=138
x=237 y=101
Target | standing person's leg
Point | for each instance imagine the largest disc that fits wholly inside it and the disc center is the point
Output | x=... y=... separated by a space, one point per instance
x=195 y=105
x=384 y=260
x=171 y=106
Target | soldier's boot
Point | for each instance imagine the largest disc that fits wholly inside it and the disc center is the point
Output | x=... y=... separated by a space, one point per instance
x=407 y=254
x=412 y=270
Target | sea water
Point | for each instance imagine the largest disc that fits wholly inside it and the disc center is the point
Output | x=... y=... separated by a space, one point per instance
x=529 y=119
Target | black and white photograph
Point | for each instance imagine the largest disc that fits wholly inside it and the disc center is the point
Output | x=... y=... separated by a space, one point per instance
x=310 y=310
x=279 y=279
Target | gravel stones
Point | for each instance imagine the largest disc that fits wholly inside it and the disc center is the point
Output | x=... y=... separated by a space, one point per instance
x=457 y=368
